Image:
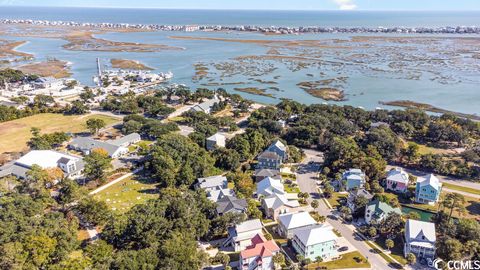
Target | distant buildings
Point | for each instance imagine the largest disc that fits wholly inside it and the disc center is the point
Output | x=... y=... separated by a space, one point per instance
x=353 y=178
x=240 y=236
x=376 y=211
x=313 y=242
x=71 y=166
x=428 y=189
x=259 y=255
x=397 y=180
x=273 y=156
x=214 y=141
x=277 y=204
x=212 y=183
x=420 y=239
x=288 y=223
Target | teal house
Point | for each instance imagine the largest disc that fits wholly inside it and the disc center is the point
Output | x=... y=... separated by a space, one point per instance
x=315 y=242
x=428 y=189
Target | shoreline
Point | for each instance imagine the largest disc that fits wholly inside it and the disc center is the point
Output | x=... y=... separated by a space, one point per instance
x=428 y=108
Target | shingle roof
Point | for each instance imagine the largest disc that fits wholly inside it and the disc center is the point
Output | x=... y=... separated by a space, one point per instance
x=266 y=172
x=269 y=155
x=85 y=143
x=260 y=248
x=296 y=220
x=230 y=203
x=204 y=106
x=126 y=139
x=315 y=235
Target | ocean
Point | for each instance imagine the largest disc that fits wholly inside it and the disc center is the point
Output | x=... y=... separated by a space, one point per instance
x=441 y=70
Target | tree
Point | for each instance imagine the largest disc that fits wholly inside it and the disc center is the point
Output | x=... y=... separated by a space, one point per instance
x=392 y=225
x=252 y=209
x=96 y=165
x=389 y=244
x=95 y=124
x=411 y=258
x=454 y=201
x=279 y=260
x=449 y=249
x=372 y=232
x=101 y=253
x=318 y=260
x=244 y=185
x=328 y=190
x=69 y=192
x=227 y=159
x=93 y=211
x=315 y=204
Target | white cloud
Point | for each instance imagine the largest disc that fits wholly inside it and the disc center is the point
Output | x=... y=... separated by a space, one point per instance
x=345 y=4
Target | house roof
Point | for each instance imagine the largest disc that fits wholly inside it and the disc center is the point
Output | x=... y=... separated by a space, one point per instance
x=269 y=155
x=416 y=229
x=205 y=106
x=212 y=181
x=360 y=193
x=44 y=158
x=296 y=220
x=276 y=201
x=249 y=225
x=230 y=203
x=86 y=143
x=126 y=139
x=398 y=175
x=216 y=137
x=429 y=180
x=269 y=186
x=215 y=195
x=278 y=144
x=377 y=208
x=266 y=173
x=315 y=235
x=260 y=248
x=354 y=174
x=13 y=169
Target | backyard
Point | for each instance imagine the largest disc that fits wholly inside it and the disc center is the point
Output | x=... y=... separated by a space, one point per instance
x=127 y=193
x=15 y=134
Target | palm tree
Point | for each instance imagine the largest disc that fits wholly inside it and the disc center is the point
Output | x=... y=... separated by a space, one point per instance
x=318 y=260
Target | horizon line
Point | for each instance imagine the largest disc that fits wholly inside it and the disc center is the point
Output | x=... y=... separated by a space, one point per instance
x=249 y=9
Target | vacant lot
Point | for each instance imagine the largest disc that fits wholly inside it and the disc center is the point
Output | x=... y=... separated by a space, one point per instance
x=127 y=193
x=353 y=260
x=15 y=134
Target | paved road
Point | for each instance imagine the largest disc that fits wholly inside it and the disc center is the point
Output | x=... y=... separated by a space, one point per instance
x=306 y=177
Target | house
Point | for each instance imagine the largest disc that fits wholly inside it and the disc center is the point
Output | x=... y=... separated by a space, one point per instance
x=230 y=204
x=353 y=178
x=48 y=83
x=356 y=193
x=127 y=140
x=206 y=106
x=217 y=194
x=269 y=186
x=397 y=180
x=428 y=189
x=377 y=211
x=269 y=160
x=288 y=223
x=86 y=145
x=261 y=174
x=217 y=182
x=313 y=242
x=214 y=141
x=71 y=166
x=277 y=204
x=258 y=255
x=240 y=236
x=420 y=239
x=280 y=149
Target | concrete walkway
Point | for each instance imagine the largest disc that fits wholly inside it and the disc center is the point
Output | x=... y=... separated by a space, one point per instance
x=109 y=184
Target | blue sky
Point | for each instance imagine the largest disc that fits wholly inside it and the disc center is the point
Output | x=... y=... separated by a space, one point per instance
x=264 y=4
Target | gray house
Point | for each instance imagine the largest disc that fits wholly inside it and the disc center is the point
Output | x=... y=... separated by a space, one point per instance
x=231 y=204
x=206 y=106
x=211 y=183
x=86 y=145
x=269 y=160
x=261 y=174
x=279 y=148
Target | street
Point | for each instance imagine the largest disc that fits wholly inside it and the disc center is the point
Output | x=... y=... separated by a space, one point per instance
x=306 y=178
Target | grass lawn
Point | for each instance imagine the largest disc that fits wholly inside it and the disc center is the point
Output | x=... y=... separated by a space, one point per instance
x=289 y=176
x=15 y=134
x=461 y=188
x=396 y=251
x=348 y=260
x=383 y=255
x=278 y=239
x=290 y=189
x=127 y=193
x=336 y=198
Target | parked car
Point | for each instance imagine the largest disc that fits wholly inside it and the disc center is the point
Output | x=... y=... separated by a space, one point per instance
x=342 y=249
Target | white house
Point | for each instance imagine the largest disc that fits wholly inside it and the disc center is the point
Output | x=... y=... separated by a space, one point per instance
x=288 y=223
x=420 y=239
x=277 y=204
x=353 y=178
x=211 y=183
x=241 y=235
x=216 y=140
x=269 y=186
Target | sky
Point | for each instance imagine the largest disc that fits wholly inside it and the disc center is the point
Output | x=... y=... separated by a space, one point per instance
x=447 y=5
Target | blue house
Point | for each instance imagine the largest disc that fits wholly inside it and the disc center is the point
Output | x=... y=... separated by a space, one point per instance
x=279 y=148
x=353 y=178
x=428 y=189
